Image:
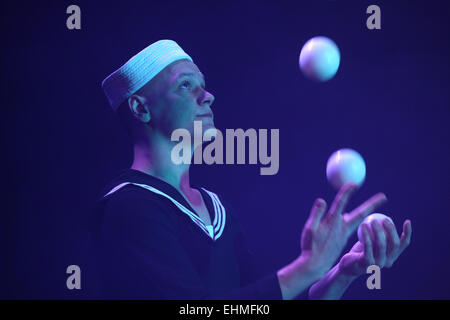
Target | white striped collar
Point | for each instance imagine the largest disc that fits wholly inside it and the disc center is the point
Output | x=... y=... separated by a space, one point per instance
x=214 y=231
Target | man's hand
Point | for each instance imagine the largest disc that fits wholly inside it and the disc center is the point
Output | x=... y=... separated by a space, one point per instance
x=380 y=246
x=325 y=236
x=323 y=239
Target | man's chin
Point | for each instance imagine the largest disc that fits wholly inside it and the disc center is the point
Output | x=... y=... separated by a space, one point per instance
x=204 y=130
x=207 y=124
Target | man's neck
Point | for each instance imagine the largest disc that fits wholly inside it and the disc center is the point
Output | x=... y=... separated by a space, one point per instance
x=154 y=158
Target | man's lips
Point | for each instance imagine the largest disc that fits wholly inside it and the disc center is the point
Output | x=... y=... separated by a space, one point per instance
x=206 y=115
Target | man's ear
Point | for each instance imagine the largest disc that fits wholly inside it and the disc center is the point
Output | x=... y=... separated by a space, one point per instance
x=139 y=108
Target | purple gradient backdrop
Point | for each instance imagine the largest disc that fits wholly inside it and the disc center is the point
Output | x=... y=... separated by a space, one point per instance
x=389 y=100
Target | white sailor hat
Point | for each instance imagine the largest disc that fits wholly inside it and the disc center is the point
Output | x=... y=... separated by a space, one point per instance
x=140 y=69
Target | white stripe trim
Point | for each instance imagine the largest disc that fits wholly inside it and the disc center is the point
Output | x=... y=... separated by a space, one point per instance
x=219 y=220
x=116 y=188
x=218 y=214
x=222 y=209
x=192 y=215
x=219 y=210
x=216 y=210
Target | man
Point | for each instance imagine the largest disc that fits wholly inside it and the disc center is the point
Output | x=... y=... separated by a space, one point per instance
x=159 y=237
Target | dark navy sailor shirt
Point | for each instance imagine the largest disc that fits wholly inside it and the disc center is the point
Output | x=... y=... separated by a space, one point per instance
x=150 y=244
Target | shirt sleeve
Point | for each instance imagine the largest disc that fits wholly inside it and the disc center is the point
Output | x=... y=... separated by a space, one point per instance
x=140 y=256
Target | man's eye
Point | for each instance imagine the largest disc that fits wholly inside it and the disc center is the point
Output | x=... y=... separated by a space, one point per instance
x=185 y=84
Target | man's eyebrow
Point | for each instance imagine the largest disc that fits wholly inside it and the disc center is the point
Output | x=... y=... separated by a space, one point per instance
x=187 y=74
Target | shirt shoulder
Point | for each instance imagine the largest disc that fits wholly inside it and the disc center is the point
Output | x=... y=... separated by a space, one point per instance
x=133 y=206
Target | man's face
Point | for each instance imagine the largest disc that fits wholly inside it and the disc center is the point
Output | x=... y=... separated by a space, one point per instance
x=179 y=98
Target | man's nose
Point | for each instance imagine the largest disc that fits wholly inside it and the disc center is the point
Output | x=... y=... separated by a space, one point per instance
x=207 y=98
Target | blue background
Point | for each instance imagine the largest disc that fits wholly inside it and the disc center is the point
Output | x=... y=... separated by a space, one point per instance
x=389 y=100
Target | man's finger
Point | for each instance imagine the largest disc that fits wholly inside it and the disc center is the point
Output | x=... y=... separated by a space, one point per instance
x=393 y=242
x=368 y=250
x=405 y=238
x=317 y=211
x=341 y=200
x=380 y=243
x=354 y=218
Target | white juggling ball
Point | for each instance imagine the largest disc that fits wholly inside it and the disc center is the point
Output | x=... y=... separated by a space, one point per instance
x=374 y=216
x=319 y=59
x=346 y=165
